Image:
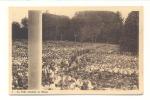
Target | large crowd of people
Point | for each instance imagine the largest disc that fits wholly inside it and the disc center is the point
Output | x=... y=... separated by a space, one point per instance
x=71 y=66
x=19 y=65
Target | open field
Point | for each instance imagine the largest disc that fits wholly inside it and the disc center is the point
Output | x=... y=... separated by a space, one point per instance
x=85 y=66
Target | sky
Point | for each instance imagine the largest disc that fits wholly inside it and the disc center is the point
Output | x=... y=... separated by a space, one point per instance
x=17 y=13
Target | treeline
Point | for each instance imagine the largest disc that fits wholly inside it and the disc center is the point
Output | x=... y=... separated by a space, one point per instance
x=20 y=30
x=129 y=40
x=55 y=27
x=95 y=26
x=87 y=26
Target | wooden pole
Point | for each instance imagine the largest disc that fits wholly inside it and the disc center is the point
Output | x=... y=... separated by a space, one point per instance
x=35 y=49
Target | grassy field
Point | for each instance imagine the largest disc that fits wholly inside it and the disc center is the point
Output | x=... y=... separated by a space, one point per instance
x=83 y=66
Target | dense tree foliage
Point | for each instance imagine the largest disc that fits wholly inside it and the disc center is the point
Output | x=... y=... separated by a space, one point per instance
x=20 y=30
x=87 y=26
x=130 y=36
x=55 y=27
x=15 y=30
x=98 y=26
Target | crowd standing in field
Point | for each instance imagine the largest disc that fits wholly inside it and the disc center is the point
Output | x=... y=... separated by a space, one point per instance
x=19 y=65
x=81 y=66
x=85 y=52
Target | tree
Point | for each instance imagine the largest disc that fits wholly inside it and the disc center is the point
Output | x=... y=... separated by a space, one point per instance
x=24 y=22
x=15 y=30
x=98 y=26
x=130 y=37
x=24 y=28
x=55 y=27
x=75 y=25
x=20 y=31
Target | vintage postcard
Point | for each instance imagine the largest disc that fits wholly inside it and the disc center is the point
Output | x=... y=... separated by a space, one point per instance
x=76 y=50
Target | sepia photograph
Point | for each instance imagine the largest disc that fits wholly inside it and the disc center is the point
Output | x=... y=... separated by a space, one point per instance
x=76 y=50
